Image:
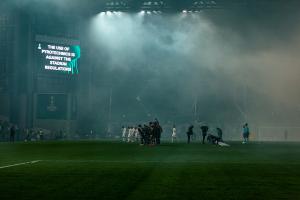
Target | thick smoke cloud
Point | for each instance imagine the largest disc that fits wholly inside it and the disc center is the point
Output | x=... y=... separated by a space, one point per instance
x=244 y=69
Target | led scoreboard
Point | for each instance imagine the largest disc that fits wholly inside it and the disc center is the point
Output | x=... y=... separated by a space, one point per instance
x=57 y=55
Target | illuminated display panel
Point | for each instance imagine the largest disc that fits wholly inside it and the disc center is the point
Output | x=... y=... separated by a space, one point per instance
x=57 y=55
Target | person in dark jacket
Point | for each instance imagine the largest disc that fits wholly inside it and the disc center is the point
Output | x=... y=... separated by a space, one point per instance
x=12 y=133
x=204 y=129
x=146 y=130
x=157 y=130
x=142 y=135
x=220 y=134
x=190 y=133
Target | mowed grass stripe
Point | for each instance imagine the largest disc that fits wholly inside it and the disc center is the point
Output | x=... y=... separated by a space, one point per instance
x=151 y=181
x=105 y=170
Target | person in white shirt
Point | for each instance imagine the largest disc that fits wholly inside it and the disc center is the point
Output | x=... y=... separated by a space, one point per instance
x=174 y=136
x=136 y=134
x=130 y=134
x=124 y=133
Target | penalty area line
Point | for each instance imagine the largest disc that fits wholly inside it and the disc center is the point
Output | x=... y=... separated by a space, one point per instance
x=18 y=164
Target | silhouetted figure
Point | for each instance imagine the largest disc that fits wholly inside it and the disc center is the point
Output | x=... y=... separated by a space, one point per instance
x=152 y=133
x=146 y=131
x=142 y=135
x=12 y=133
x=213 y=139
x=160 y=131
x=220 y=133
x=189 y=133
x=204 y=129
x=41 y=133
x=157 y=130
x=246 y=133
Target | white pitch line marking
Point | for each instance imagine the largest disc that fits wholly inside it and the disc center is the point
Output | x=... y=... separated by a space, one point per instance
x=24 y=163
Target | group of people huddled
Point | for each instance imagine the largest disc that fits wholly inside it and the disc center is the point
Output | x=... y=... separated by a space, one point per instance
x=8 y=131
x=216 y=139
x=148 y=134
x=212 y=139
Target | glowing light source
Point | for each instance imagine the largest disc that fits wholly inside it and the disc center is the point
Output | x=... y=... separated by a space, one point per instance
x=108 y=13
x=141 y=13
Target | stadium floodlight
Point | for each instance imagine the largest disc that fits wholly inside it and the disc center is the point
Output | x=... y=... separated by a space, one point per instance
x=117 y=12
x=141 y=13
x=108 y=13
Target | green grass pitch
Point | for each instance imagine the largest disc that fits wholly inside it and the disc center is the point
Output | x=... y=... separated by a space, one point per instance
x=113 y=170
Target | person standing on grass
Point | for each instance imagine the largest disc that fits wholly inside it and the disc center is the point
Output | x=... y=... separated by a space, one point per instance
x=157 y=130
x=190 y=133
x=146 y=134
x=41 y=134
x=246 y=133
x=129 y=134
x=204 y=129
x=151 y=133
x=124 y=133
x=12 y=133
x=131 y=138
x=142 y=135
x=136 y=134
x=174 y=137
